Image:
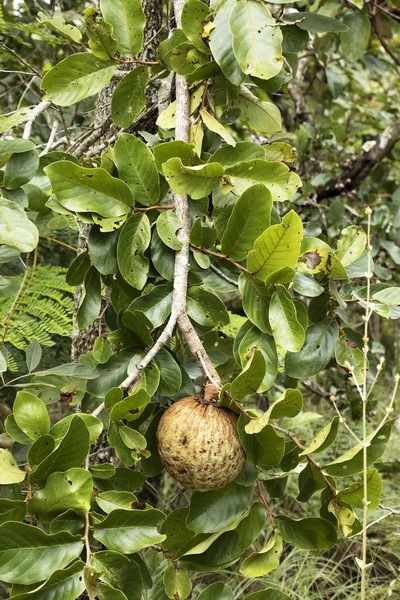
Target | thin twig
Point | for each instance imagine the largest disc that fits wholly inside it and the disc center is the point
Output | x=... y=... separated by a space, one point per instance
x=39 y=108
x=381 y=38
x=221 y=256
x=56 y=241
x=21 y=60
x=264 y=501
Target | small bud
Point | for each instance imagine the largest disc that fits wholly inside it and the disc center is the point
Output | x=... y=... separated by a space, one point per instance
x=368 y=211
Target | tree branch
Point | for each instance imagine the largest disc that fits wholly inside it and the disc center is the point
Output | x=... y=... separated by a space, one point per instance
x=41 y=107
x=381 y=37
x=353 y=175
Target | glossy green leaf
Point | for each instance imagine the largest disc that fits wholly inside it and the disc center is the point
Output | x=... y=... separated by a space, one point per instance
x=128 y=21
x=129 y=98
x=40 y=449
x=77 y=77
x=277 y=247
x=289 y=404
x=63 y=491
x=71 y=452
x=307 y=286
x=20 y=169
x=351 y=246
x=109 y=501
x=197 y=181
x=129 y=531
x=324 y=438
x=351 y=462
x=194 y=14
x=205 y=308
x=249 y=380
x=389 y=296
x=156 y=305
x=310 y=533
x=9 y=471
x=317 y=350
x=131 y=407
x=347 y=354
x=315 y=23
x=90 y=305
x=257 y=43
x=16 y=118
x=288 y=333
x=212 y=511
x=28 y=555
x=16 y=229
x=228 y=156
x=31 y=415
x=165 y=48
x=33 y=355
x=354 y=494
x=310 y=481
x=176 y=531
x=177 y=583
x=266 y=560
x=255 y=301
x=263 y=449
x=89 y=190
x=168 y=223
x=221 y=45
x=117 y=570
x=78 y=269
x=252 y=339
x=249 y=219
x=133 y=241
x=170 y=374
x=12 y=510
x=262 y=117
x=136 y=166
x=67 y=584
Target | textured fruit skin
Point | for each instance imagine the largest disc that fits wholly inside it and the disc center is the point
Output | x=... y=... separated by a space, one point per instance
x=199 y=445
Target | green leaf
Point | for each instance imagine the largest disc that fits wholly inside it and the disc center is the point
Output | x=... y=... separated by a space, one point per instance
x=212 y=511
x=9 y=471
x=129 y=531
x=131 y=407
x=249 y=380
x=129 y=97
x=40 y=449
x=315 y=23
x=227 y=156
x=170 y=374
x=205 y=308
x=185 y=59
x=266 y=560
x=263 y=449
x=101 y=350
x=133 y=241
x=289 y=404
x=354 y=42
x=89 y=190
x=203 y=234
x=109 y=501
x=16 y=229
x=305 y=285
x=254 y=339
x=176 y=531
x=90 y=305
x=101 y=41
x=229 y=546
x=249 y=219
x=257 y=43
x=167 y=150
x=16 y=118
x=67 y=584
x=277 y=247
x=217 y=591
x=77 y=77
x=255 y=301
x=77 y=370
x=352 y=461
x=117 y=570
x=194 y=14
x=156 y=305
x=168 y=224
x=214 y=125
x=389 y=296
x=128 y=21
x=177 y=583
x=288 y=333
x=103 y=250
x=165 y=48
x=276 y=176
x=354 y=494
x=78 y=269
x=63 y=491
x=347 y=354
x=20 y=169
x=351 y=246
x=310 y=533
x=28 y=555
x=310 y=481
x=12 y=510
x=33 y=355
x=31 y=415
x=197 y=181
x=324 y=438
x=71 y=452
x=221 y=45
x=136 y=166
x=316 y=352
x=261 y=117
x=58 y=25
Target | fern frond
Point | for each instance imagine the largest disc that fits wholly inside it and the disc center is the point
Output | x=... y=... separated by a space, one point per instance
x=44 y=309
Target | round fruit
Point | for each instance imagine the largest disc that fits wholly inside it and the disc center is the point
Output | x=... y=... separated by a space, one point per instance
x=199 y=445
